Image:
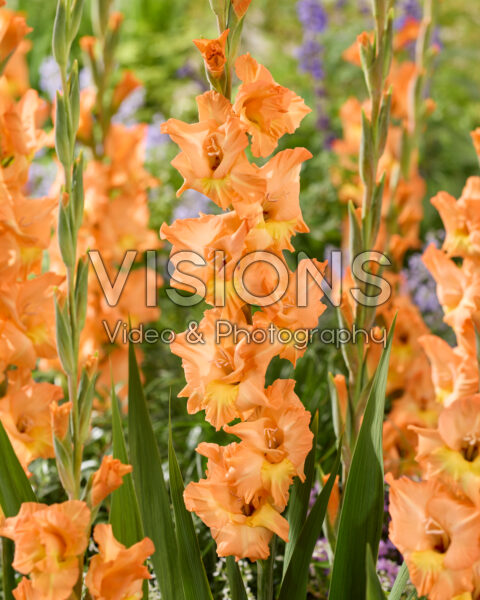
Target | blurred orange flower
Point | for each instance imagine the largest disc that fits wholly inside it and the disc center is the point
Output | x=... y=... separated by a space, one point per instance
x=25 y=415
x=13 y=28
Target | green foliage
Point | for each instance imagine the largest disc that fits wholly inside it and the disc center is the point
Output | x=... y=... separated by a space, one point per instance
x=194 y=578
x=151 y=488
x=361 y=516
x=124 y=511
x=296 y=577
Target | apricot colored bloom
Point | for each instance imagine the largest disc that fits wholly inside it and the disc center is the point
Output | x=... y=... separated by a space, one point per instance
x=461 y=220
x=25 y=591
x=297 y=311
x=451 y=451
x=458 y=288
x=454 y=370
x=240 y=529
x=437 y=534
x=108 y=478
x=216 y=244
x=29 y=307
x=268 y=109
x=13 y=28
x=212 y=158
x=275 y=442
x=21 y=136
x=60 y=416
x=88 y=98
x=117 y=572
x=281 y=217
x=240 y=7
x=127 y=84
x=225 y=379
x=48 y=541
x=213 y=53
x=25 y=415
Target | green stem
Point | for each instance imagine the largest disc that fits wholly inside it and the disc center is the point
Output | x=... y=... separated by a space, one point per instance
x=265 y=572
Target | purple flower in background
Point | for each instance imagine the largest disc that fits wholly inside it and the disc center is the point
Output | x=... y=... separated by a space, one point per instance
x=50 y=78
x=41 y=176
x=190 y=204
x=314 y=19
x=312 y=16
x=85 y=78
x=130 y=106
x=422 y=287
x=410 y=8
x=155 y=140
x=310 y=57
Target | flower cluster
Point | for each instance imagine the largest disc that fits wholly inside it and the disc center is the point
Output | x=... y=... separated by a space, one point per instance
x=27 y=321
x=247 y=483
x=436 y=521
x=49 y=542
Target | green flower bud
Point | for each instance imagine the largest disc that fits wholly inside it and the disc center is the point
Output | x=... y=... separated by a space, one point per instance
x=62 y=138
x=59 y=44
x=64 y=336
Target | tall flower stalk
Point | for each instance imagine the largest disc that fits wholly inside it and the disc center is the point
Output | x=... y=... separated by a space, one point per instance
x=70 y=314
x=238 y=257
x=376 y=56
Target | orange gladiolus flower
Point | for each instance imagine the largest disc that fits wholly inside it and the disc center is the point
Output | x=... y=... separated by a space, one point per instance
x=108 y=478
x=60 y=416
x=117 y=572
x=268 y=109
x=30 y=308
x=461 y=220
x=25 y=591
x=292 y=312
x=48 y=541
x=276 y=440
x=213 y=52
x=225 y=379
x=240 y=529
x=281 y=217
x=13 y=28
x=437 y=534
x=458 y=288
x=206 y=236
x=451 y=451
x=240 y=7
x=213 y=159
x=454 y=370
x=25 y=415
x=124 y=88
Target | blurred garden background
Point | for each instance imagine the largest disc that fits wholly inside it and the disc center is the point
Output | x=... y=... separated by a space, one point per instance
x=302 y=44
